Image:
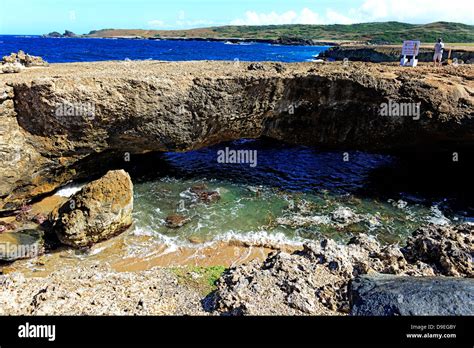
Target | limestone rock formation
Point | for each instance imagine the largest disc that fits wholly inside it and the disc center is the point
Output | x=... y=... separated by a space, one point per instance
x=24 y=59
x=57 y=124
x=101 y=210
x=449 y=249
x=316 y=280
x=12 y=68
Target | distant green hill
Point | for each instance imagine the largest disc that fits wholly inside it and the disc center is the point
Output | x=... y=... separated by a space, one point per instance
x=379 y=33
x=388 y=32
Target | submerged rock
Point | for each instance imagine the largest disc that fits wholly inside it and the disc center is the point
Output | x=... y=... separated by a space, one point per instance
x=204 y=196
x=199 y=188
x=101 y=210
x=176 y=221
x=386 y=295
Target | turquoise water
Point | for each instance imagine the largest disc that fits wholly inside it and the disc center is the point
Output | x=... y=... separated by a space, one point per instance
x=294 y=194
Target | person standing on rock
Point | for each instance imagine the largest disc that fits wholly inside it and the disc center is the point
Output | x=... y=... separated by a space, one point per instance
x=438 y=55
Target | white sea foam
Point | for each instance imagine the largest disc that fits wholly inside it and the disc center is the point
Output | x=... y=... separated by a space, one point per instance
x=259 y=238
x=69 y=190
x=437 y=217
x=252 y=238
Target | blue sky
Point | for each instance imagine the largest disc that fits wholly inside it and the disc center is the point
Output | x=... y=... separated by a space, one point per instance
x=81 y=16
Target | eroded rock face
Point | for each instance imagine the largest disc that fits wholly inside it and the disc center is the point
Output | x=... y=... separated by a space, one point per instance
x=315 y=280
x=24 y=59
x=58 y=123
x=448 y=249
x=101 y=210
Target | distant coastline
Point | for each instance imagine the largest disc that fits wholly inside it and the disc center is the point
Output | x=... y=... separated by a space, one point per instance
x=383 y=33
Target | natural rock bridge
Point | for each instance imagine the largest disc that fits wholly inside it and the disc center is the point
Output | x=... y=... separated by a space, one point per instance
x=57 y=122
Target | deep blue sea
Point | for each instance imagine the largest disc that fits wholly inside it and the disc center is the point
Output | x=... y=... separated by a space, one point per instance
x=87 y=50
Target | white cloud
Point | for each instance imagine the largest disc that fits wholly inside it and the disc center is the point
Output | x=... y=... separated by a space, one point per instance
x=416 y=11
x=181 y=22
x=305 y=16
x=412 y=11
x=156 y=23
x=253 y=18
x=308 y=17
x=193 y=23
x=333 y=17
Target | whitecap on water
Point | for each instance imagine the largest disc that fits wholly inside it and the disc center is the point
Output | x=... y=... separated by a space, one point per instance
x=437 y=217
x=259 y=238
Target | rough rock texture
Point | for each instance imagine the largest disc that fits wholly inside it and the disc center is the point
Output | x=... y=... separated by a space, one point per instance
x=449 y=249
x=101 y=210
x=98 y=291
x=315 y=280
x=24 y=59
x=384 y=295
x=176 y=221
x=11 y=68
x=135 y=107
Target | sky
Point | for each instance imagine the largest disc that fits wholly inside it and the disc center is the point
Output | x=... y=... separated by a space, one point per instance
x=24 y=17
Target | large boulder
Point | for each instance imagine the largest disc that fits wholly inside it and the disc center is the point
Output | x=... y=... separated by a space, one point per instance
x=101 y=210
x=387 y=295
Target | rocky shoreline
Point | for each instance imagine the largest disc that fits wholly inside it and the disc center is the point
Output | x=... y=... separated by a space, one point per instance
x=318 y=279
x=391 y=54
x=322 y=279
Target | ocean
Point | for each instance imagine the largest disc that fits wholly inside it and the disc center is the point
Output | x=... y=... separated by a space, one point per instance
x=67 y=50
